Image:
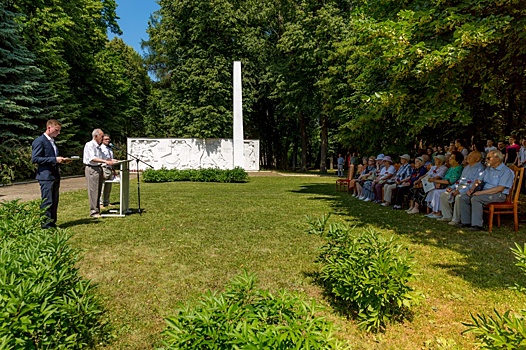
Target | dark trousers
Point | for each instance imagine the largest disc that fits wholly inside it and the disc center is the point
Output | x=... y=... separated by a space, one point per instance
x=400 y=194
x=49 y=191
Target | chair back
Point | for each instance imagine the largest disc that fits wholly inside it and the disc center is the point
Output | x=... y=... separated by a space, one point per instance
x=350 y=175
x=515 y=191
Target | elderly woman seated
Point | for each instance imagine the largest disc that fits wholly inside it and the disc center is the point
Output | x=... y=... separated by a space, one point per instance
x=386 y=173
x=437 y=171
x=403 y=174
x=359 y=170
x=368 y=191
x=367 y=174
x=408 y=183
x=452 y=175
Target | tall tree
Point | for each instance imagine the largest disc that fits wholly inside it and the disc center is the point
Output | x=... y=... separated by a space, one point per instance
x=22 y=91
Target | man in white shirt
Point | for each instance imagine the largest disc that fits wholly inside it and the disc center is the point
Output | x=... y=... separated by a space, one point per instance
x=93 y=158
x=107 y=153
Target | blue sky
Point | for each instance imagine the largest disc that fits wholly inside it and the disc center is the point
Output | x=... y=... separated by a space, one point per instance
x=134 y=16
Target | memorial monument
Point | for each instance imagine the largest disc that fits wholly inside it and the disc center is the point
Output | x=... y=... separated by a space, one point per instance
x=193 y=153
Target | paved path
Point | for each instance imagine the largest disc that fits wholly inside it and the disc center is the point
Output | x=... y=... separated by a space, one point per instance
x=30 y=191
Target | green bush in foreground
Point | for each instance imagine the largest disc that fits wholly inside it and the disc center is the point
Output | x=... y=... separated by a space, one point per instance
x=366 y=272
x=244 y=317
x=505 y=331
x=44 y=303
x=198 y=175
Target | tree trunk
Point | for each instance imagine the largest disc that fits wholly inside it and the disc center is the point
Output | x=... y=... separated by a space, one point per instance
x=324 y=145
x=303 y=131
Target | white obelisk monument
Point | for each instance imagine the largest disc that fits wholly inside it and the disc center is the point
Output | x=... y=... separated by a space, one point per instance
x=239 y=159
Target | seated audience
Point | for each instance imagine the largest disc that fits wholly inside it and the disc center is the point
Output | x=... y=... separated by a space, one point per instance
x=472 y=172
x=368 y=191
x=437 y=171
x=403 y=188
x=387 y=172
x=450 y=178
x=359 y=171
x=496 y=183
x=368 y=174
x=403 y=174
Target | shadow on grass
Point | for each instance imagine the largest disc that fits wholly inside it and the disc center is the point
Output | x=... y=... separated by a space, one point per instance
x=486 y=259
x=86 y=221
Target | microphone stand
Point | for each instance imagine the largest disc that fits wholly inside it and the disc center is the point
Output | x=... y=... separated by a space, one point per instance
x=137 y=160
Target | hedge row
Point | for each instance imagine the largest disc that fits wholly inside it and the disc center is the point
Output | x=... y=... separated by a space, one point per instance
x=198 y=175
x=44 y=303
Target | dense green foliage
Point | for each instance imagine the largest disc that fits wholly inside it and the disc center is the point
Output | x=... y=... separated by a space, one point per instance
x=199 y=175
x=244 y=317
x=45 y=303
x=506 y=331
x=318 y=77
x=366 y=272
x=321 y=77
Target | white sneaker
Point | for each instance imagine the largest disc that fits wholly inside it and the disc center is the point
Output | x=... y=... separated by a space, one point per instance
x=452 y=223
x=367 y=200
x=361 y=198
x=385 y=204
x=430 y=215
x=413 y=211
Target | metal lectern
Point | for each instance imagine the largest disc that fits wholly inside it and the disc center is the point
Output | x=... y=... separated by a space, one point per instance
x=123 y=169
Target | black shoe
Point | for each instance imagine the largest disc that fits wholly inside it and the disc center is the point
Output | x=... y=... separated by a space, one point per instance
x=476 y=228
x=465 y=225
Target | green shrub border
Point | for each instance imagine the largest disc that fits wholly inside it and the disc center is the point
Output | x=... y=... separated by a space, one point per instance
x=236 y=175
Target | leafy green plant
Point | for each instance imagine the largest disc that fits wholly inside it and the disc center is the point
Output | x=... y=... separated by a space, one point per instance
x=244 y=317
x=198 y=175
x=500 y=332
x=366 y=272
x=507 y=331
x=44 y=302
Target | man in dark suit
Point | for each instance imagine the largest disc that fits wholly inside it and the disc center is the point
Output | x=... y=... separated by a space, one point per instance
x=45 y=155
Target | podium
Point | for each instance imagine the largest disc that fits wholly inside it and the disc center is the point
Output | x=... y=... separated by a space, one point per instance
x=123 y=170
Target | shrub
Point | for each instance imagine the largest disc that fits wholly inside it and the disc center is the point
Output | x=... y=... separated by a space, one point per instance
x=198 y=175
x=244 y=317
x=366 y=273
x=505 y=331
x=44 y=303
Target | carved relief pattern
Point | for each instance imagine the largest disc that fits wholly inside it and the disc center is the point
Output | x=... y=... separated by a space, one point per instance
x=190 y=153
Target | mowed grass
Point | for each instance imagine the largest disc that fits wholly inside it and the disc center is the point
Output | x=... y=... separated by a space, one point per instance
x=197 y=236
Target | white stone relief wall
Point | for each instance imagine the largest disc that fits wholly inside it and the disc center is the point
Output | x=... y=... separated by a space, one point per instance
x=191 y=153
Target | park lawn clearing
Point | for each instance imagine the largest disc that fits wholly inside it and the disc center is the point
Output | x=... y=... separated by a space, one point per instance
x=198 y=236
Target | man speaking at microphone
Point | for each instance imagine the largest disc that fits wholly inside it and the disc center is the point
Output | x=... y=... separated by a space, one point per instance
x=93 y=158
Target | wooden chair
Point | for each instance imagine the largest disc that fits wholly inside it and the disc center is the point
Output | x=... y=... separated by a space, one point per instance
x=511 y=205
x=344 y=183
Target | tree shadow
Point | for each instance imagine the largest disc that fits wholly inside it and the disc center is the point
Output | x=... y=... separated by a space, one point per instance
x=485 y=261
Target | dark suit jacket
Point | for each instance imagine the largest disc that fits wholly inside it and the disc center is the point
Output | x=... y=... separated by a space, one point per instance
x=43 y=154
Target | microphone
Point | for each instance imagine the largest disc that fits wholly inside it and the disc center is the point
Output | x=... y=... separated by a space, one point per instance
x=114 y=146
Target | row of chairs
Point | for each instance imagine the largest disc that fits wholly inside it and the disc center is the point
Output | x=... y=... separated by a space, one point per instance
x=509 y=207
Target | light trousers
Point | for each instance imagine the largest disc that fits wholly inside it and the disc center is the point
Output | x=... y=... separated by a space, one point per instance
x=471 y=208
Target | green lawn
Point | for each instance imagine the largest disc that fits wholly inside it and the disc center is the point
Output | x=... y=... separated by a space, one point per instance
x=197 y=236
